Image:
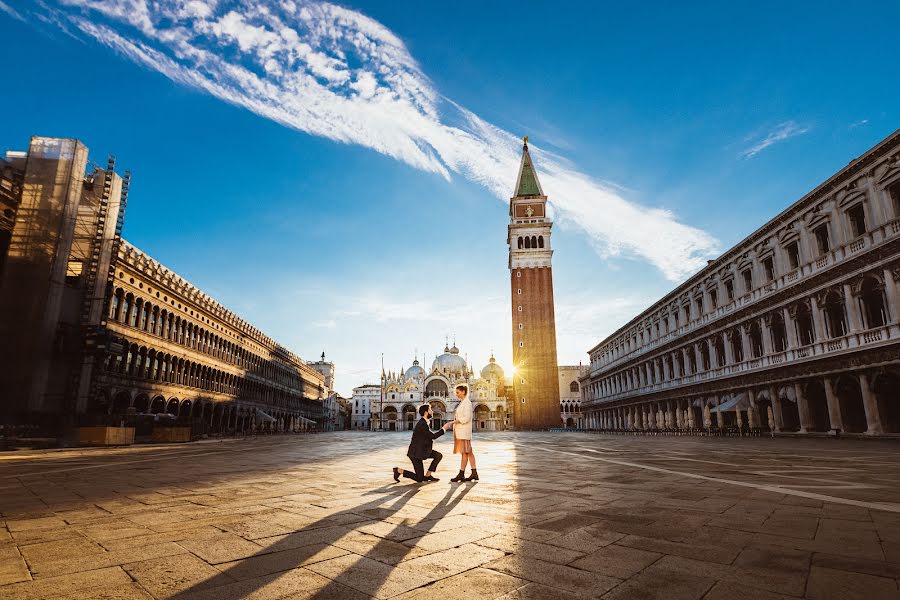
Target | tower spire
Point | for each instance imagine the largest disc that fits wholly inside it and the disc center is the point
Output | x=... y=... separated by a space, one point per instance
x=527 y=183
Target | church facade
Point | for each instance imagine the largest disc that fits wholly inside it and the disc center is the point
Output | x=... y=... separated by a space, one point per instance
x=405 y=390
x=535 y=381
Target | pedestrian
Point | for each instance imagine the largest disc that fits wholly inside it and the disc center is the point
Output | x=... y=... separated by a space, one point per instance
x=462 y=435
x=420 y=448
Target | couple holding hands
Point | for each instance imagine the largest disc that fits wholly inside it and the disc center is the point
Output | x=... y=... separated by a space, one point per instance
x=420 y=448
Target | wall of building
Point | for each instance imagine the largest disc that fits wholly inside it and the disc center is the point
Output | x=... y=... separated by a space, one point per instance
x=796 y=328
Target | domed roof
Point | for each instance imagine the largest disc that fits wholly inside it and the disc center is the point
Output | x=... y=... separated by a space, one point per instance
x=492 y=371
x=449 y=361
x=415 y=370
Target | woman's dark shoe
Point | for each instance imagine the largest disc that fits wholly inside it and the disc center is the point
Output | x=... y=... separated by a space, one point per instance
x=473 y=476
x=396 y=474
x=431 y=478
x=461 y=476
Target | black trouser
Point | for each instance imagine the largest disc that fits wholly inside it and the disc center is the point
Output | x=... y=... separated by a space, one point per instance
x=419 y=466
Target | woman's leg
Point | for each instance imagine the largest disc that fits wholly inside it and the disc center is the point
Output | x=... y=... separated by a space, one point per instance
x=471 y=457
x=463 y=459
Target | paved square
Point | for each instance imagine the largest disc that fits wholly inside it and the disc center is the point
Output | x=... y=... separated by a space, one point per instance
x=554 y=516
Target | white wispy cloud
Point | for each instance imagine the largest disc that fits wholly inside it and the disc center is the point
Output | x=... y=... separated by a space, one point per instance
x=9 y=10
x=779 y=133
x=336 y=73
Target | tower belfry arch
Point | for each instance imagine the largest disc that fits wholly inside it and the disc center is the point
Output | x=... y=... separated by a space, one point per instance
x=535 y=386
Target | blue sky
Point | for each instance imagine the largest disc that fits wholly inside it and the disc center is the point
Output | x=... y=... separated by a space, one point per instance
x=336 y=174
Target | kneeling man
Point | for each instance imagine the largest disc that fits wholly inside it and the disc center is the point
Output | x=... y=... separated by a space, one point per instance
x=420 y=448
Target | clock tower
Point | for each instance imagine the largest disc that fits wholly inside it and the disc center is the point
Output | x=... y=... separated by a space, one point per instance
x=535 y=379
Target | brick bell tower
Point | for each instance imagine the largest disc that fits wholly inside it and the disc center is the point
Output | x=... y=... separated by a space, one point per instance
x=535 y=385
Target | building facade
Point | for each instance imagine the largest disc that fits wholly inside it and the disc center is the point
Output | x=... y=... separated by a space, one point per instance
x=96 y=332
x=405 y=390
x=364 y=400
x=570 y=395
x=535 y=385
x=795 y=329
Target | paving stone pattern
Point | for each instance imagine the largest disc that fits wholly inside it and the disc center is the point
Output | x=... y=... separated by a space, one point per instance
x=554 y=516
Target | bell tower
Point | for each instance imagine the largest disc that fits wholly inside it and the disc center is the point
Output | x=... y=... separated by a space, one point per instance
x=535 y=385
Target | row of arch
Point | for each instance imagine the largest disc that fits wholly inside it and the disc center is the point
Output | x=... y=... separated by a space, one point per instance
x=853 y=403
x=150 y=364
x=811 y=320
x=162 y=322
x=529 y=242
x=812 y=241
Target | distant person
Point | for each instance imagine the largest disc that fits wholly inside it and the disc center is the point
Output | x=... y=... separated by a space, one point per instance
x=462 y=435
x=420 y=448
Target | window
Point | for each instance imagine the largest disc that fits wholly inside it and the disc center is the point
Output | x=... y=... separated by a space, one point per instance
x=769 y=268
x=857 y=216
x=698 y=302
x=822 y=241
x=747 y=274
x=573 y=387
x=520 y=308
x=519 y=291
x=793 y=253
x=521 y=326
x=729 y=289
x=521 y=344
x=520 y=242
x=714 y=298
x=73 y=272
x=687 y=312
x=518 y=273
x=894 y=193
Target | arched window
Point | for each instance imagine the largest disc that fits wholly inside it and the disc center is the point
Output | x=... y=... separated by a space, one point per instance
x=132 y=314
x=534 y=241
x=573 y=387
x=521 y=243
x=527 y=242
x=755 y=333
x=145 y=314
x=720 y=351
x=835 y=319
x=871 y=295
x=541 y=242
x=704 y=354
x=779 y=333
x=114 y=305
x=804 y=324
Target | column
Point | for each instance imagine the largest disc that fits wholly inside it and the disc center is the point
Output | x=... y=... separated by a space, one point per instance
x=766 y=332
x=789 y=328
x=667 y=372
x=698 y=356
x=639 y=417
x=686 y=358
x=873 y=415
x=753 y=411
x=679 y=422
x=776 y=408
x=720 y=418
x=729 y=355
x=675 y=366
x=745 y=342
x=818 y=320
x=802 y=407
x=890 y=292
x=834 y=407
x=851 y=305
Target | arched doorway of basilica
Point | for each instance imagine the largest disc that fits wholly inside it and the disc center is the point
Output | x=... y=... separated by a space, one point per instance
x=409 y=416
x=439 y=409
x=482 y=416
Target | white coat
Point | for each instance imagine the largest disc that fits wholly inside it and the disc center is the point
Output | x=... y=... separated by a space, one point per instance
x=462 y=428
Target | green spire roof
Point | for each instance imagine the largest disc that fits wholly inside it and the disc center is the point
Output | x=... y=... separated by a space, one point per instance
x=527 y=184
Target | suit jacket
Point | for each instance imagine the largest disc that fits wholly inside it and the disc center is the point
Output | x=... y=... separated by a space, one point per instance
x=422 y=437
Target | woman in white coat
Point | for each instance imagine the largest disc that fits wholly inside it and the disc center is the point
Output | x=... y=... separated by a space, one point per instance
x=462 y=435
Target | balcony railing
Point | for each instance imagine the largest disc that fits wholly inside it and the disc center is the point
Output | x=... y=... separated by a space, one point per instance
x=812 y=351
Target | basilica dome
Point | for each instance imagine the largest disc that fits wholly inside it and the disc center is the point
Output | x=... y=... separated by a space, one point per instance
x=450 y=361
x=493 y=371
x=415 y=371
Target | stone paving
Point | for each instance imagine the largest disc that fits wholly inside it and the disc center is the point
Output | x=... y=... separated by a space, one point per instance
x=554 y=516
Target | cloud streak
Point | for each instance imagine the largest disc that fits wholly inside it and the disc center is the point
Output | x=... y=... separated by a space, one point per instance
x=781 y=132
x=336 y=73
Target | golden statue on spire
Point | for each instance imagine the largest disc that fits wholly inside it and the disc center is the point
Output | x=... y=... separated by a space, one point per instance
x=525 y=139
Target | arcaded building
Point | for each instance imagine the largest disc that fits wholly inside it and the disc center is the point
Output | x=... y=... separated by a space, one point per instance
x=94 y=331
x=794 y=329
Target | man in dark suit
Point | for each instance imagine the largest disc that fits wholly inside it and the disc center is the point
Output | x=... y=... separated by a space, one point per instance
x=420 y=448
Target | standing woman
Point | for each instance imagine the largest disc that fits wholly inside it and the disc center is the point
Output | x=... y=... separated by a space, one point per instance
x=462 y=435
